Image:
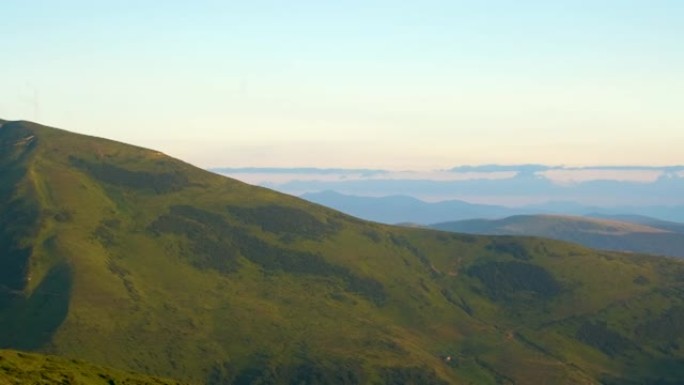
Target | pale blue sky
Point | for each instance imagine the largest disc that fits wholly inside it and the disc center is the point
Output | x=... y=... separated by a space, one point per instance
x=423 y=84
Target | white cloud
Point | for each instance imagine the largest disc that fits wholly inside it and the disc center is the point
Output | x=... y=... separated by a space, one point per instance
x=570 y=176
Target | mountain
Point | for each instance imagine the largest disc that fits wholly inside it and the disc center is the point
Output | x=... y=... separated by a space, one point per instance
x=398 y=209
x=661 y=213
x=649 y=191
x=401 y=209
x=674 y=227
x=24 y=368
x=639 y=234
x=131 y=259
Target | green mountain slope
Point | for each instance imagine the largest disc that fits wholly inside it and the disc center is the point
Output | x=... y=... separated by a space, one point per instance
x=24 y=368
x=125 y=257
x=658 y=237
x=674 y=227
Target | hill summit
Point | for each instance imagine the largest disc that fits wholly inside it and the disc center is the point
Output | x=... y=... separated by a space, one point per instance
x=131 y=259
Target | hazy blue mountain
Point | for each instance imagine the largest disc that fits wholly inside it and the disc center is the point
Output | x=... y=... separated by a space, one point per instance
x=405 y=209
x=661 y=199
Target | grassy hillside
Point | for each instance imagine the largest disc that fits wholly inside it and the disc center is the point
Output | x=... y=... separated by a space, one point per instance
x=128 y=258
x=23 y=368
x=653 y=237
x=674 y=227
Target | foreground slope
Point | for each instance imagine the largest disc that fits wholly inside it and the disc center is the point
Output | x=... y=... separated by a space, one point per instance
x=129 y=258
x=23 y=368
x=654 y=237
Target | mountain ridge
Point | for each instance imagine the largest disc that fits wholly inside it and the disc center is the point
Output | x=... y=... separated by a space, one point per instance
x=642 y=234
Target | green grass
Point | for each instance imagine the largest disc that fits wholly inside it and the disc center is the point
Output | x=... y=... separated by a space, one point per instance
x=24 y=368
x=134 y=260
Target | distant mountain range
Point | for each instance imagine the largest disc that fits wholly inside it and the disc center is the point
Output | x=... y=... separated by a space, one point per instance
x=395 y=209
x=656 y=191
x=630 y=233
x=644 y=220
x=404 y=209
x=590 y=226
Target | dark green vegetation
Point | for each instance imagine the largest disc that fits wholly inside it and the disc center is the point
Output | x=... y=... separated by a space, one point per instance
x=23 y=368
x=130 y=259
x=652 y=237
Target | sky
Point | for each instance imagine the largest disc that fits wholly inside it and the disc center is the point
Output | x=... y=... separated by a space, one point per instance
x=364 y=84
